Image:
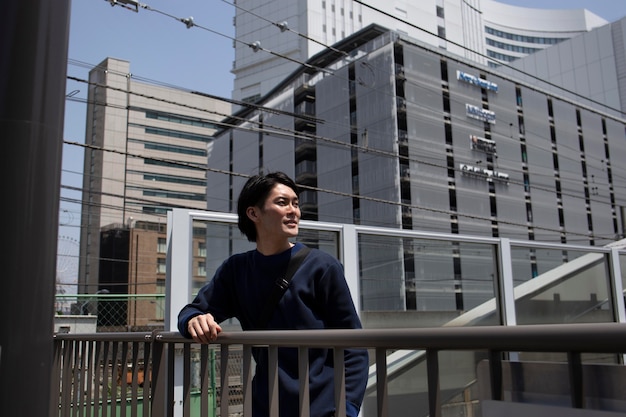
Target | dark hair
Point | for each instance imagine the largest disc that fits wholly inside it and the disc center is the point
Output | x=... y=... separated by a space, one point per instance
x=254 y=193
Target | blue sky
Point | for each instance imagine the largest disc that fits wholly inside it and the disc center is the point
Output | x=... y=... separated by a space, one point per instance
x=161 y=48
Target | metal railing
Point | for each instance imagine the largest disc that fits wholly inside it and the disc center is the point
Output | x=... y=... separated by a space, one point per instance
x=134 y=374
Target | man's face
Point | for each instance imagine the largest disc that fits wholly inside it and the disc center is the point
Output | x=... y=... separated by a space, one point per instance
x=279 y=215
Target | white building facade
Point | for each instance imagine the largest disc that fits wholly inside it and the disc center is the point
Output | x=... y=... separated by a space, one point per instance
x=484 y=31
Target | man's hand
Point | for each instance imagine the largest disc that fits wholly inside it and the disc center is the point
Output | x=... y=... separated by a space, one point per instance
x=203 y=328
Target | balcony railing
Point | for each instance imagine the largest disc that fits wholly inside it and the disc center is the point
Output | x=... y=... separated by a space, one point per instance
x=161 y=374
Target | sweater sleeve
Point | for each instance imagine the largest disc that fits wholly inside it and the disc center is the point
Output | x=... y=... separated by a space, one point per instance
x=213 y=298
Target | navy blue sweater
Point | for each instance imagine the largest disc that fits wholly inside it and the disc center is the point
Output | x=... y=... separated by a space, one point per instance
x=317 y=298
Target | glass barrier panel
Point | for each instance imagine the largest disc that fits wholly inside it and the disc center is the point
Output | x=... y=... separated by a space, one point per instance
x=411 y=282
x=562 y=286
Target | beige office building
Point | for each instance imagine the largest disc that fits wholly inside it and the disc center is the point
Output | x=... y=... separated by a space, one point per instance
x=146 y=151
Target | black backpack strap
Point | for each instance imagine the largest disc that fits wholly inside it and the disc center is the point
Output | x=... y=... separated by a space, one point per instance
x=282 y=283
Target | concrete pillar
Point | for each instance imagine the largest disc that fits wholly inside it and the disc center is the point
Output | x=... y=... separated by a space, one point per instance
x=33 y=61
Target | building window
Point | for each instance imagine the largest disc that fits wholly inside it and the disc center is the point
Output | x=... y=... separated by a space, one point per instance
x=202 y=249
x=171 y=178
x=440 y=12
x=171 y=194
x=177 y=134
x=523 y=38
x=175 y=118
x=161 y=245
x=441 y=32
x=160 y=301
x=160 y=266
x=201 y=269
x=401 y=13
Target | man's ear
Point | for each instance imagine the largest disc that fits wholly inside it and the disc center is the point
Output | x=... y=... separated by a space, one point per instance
x=252 y=214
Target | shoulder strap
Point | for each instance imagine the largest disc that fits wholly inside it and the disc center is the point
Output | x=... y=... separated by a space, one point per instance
x=282 y=283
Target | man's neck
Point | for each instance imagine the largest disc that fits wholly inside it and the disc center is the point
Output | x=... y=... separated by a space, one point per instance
x=273 y=248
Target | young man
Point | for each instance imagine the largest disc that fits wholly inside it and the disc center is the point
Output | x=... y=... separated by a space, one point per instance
x=317 y=298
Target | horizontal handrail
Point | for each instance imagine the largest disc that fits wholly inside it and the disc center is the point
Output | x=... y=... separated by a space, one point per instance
x=584 y=337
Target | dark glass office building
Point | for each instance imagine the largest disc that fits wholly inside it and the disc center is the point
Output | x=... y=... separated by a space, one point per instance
x=382 y=130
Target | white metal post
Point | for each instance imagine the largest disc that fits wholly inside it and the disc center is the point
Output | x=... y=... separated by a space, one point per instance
x=350 y=255
x=178 y=286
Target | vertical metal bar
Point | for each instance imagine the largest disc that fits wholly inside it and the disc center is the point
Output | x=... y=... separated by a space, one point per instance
x=204 y=380
x=75 y=389
x=55 y=386
x=576 y=379
x=105 y=377
x=186 y=379
x=100 y=358
x=134 y=387
x=55 y=378
x=303 y=374
x=170 y=404
x=114 y=374
x=82 y=399
x=340 y=382
x=158 y=379
x=213 y=384
x=147 y=376
x=247 y=380
x=495 y=373
x=434 y=392
x=382 y=397
x=123 y=379
x=272 y=383
x=66 y=392
x=91 y=368
x=224 y=385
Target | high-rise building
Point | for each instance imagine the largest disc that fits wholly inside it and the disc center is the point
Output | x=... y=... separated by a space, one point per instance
x=484 y=31
x=390 y=132
x=146 y=152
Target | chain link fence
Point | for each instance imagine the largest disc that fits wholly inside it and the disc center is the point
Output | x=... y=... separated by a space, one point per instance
x=113 y=312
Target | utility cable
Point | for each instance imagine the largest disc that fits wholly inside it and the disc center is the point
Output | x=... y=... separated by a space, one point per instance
x=350 y=195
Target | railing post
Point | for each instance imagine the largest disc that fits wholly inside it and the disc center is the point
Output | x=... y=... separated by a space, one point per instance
x=158 y=384
x=186 y=379
x=434 y=392
x=224 y=387
x=382 y=399
x=495 y=374
x=303 y=371
x=340 y=381
x=272 y=383
x=575 y=366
